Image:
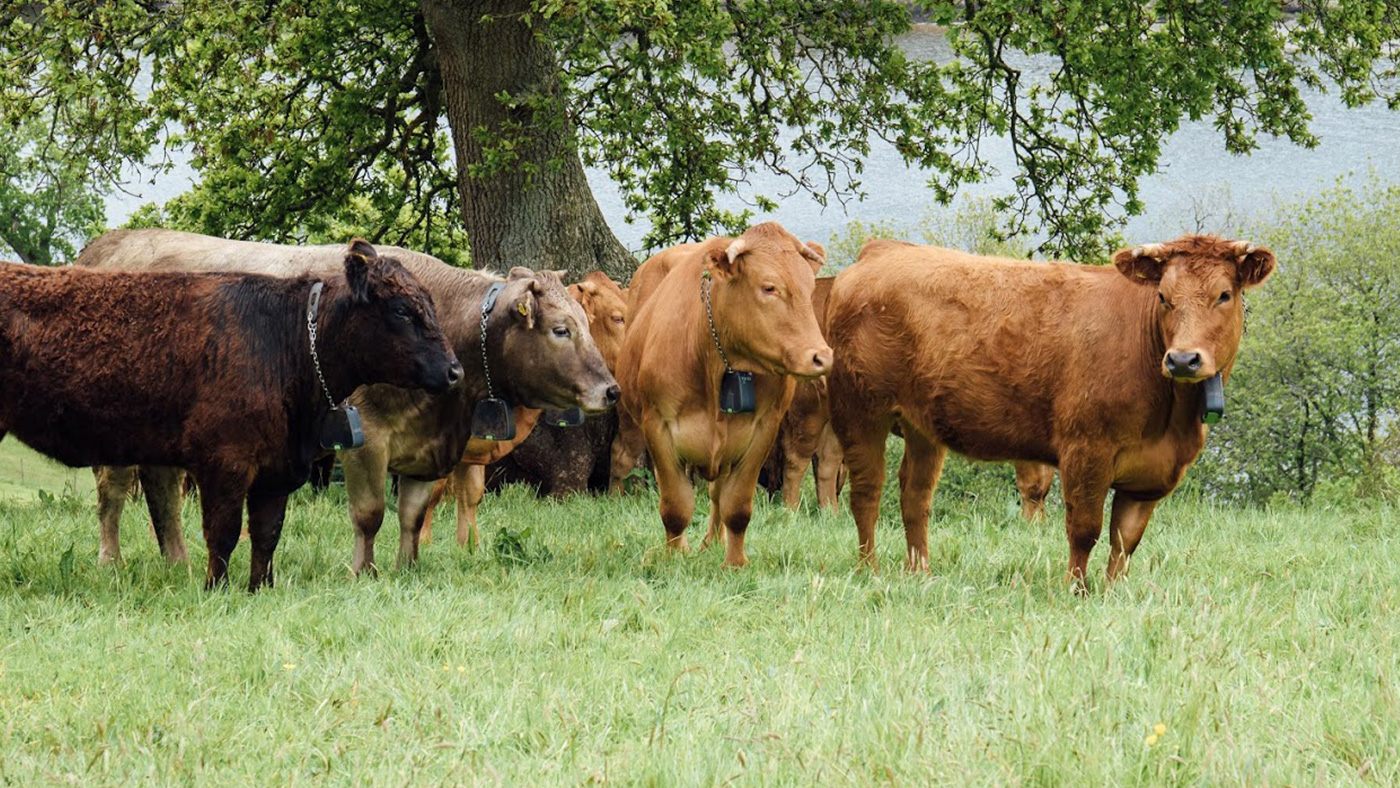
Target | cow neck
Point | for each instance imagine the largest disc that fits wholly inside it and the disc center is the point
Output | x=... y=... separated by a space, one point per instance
x=705 y=283
x=313 y=318
x=1183 y=400
x=490 y=318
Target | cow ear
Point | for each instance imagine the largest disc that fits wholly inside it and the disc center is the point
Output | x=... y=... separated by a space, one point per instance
x=815 y=254
x=1252 y=264
x=358 y=260
x=527 y=304
x=577 y=289
x=1142 y=263
x=725 y=262
x=520 y=272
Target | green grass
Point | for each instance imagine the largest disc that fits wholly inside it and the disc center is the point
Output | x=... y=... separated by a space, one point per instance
x=1265 y=642
x=24 y=472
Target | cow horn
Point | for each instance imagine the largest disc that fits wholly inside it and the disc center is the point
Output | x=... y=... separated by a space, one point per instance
x=810 y=253
x=1149 y=250
x=735 y=249
x=1243 y=248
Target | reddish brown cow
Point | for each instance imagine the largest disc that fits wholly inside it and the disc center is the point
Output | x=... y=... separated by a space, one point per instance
x=215 y=373
x=758 y=288
x=1091 y=369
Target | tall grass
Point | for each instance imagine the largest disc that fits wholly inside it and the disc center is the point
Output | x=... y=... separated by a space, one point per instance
x=570 y=649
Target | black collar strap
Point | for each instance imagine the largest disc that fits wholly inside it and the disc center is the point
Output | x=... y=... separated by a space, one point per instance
x=313 y=307
x=487 y=304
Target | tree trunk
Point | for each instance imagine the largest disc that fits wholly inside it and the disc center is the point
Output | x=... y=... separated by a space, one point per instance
x=538 y=210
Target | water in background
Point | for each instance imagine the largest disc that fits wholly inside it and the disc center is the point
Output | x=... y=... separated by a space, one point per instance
x=1195 y=176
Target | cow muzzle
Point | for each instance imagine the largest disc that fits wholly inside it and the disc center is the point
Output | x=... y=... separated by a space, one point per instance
x=1187 y=366
x=811 y=363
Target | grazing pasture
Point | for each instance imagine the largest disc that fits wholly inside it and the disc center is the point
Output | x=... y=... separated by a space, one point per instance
x=571 y=648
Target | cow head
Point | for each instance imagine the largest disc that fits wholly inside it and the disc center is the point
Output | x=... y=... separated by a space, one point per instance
x=1200 y=313
x=389 y=327
x=551 y=359
x=606 y=307
x=762 y=302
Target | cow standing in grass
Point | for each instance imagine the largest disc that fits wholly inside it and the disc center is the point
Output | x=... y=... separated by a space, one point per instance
x=537 y=346
x=759 y=289
x=554 y=460
x=214 y=373
x=1095 y=370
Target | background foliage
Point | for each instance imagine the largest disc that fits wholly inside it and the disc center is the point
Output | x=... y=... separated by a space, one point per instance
x=307 y=117
x=1313 y=402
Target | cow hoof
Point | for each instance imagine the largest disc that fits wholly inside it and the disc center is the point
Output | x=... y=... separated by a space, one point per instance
x=105 y=557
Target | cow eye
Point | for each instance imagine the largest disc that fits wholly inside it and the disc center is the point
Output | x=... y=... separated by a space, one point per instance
x=402 y=312
x=619 y=319
x=1161 y=299
x=1224 y=297
x=770 y=289
x=561 y=332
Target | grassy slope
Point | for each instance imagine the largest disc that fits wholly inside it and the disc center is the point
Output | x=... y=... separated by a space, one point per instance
x=24 y=471
x=1266 y=643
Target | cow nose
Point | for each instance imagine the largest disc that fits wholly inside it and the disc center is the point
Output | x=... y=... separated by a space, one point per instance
x=454 y=373
x=1183 y=364
x=821 y=361
x=612 y=395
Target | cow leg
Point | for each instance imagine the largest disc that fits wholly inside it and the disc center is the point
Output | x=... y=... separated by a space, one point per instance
x=414 y=498
x=864 y=446
x=627 y=447
x=715 y=533
x=365 y=471
x=113 y=485
x=1085 y=481
x=672 y=482
x=425 y=534
x=266 y=514
x=735 y=507
x=829 y=467
x=221 y=497
x=1033 y=480
x=1126 y=524
x=918 y=476
x=470 y=483
x=164 y=497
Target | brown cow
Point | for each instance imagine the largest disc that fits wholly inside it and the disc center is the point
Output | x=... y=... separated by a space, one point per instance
x=1092 y=369
x=556 y=460
x=805 y=434
x=758 y=288
x=539 y=354
x=218 y=374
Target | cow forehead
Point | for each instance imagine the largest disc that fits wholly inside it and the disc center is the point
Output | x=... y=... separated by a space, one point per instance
x=398 y=281
x=785 y=261
x=1198 y=272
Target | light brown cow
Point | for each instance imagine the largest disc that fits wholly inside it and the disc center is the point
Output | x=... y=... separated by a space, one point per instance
x=1092 y=369
x=539 y=350
x=759 y=291
x=560 y=458
x=806 y=433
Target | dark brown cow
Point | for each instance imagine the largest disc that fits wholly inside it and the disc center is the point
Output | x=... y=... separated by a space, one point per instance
x=212 y=373
x=1091 y=369
x=760 y=290
x=539 y=351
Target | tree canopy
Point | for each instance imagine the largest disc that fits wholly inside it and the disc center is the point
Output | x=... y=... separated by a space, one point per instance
x=459 y=120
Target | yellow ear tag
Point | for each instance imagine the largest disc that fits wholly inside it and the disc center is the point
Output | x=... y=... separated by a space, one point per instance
x=522 y=309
